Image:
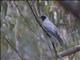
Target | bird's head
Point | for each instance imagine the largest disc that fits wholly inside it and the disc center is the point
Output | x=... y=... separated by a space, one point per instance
x=43 y=17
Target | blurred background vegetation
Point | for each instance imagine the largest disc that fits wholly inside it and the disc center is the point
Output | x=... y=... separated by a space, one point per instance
x=23 y=39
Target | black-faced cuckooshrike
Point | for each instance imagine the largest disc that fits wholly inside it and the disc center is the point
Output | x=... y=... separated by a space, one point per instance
x=51 y=28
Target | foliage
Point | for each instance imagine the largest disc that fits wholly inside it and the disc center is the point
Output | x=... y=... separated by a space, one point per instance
x=19 y=27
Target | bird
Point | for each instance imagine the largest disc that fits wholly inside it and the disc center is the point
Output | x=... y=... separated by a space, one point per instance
x=51 y=28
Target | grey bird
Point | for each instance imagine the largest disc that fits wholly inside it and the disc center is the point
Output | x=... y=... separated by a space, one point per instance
x=51 y=28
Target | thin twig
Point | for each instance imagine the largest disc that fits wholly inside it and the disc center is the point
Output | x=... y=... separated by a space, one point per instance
x=12 y=47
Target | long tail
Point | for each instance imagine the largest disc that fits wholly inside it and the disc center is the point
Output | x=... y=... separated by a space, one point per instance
x=60 y=40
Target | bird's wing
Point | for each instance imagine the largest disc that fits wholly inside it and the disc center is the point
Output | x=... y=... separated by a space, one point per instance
x=49 y=26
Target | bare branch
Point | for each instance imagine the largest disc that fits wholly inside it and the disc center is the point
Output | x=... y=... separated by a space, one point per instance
x=70 y=51
x=10 y=43
x=36 y=18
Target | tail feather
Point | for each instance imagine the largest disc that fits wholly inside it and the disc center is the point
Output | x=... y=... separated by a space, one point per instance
x=60 y=40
